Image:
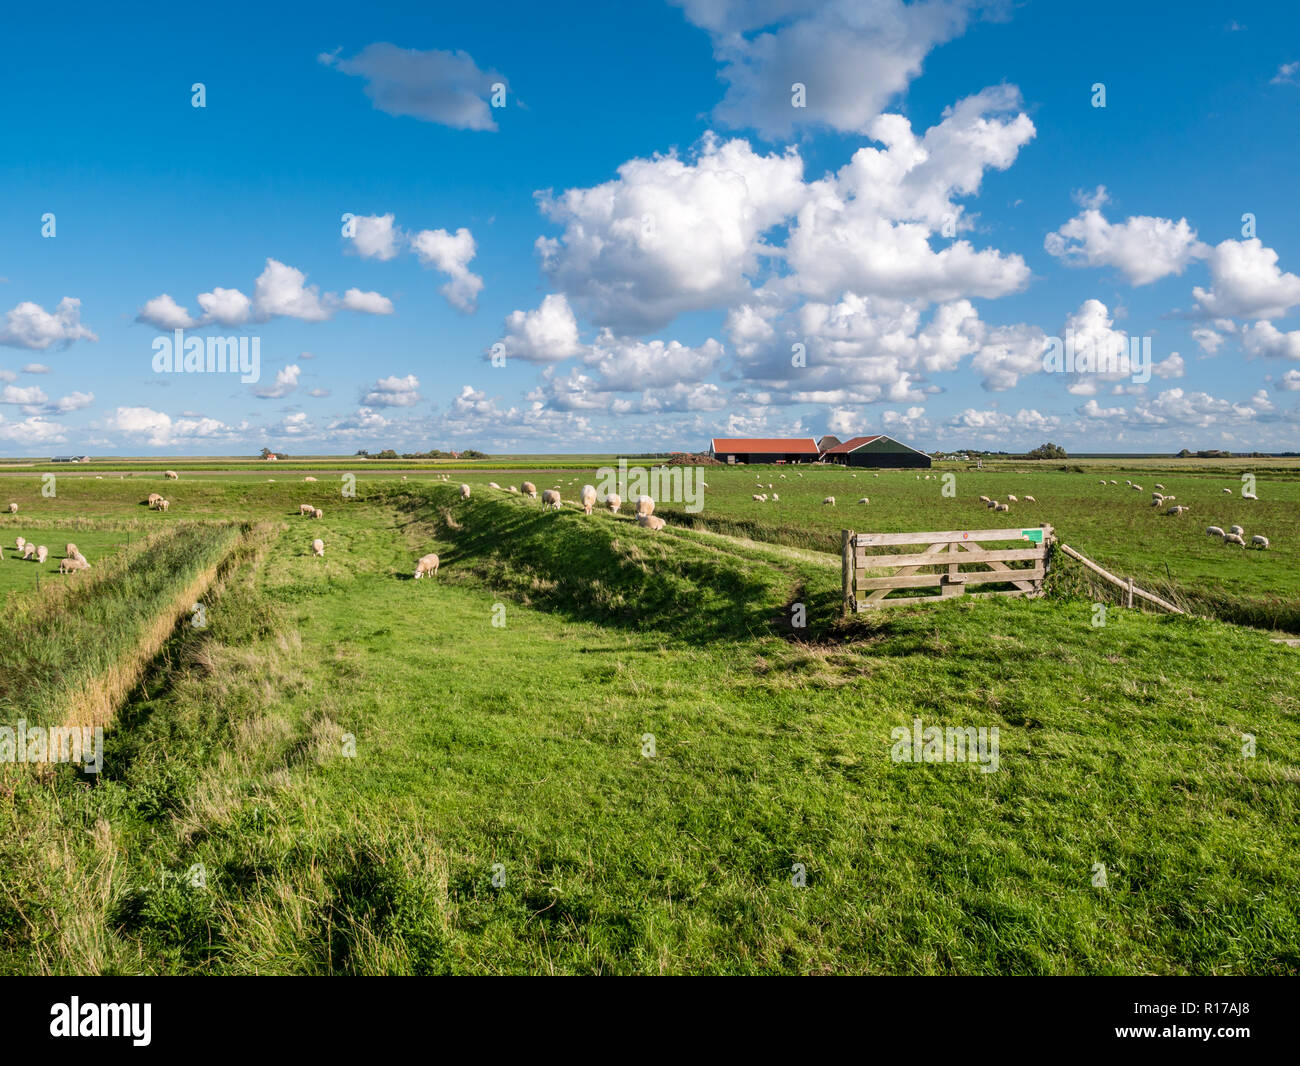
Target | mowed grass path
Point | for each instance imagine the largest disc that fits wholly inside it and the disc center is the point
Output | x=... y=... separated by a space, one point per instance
x=517 y=750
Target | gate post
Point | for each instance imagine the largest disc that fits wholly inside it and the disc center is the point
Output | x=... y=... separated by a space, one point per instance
x=846 y=555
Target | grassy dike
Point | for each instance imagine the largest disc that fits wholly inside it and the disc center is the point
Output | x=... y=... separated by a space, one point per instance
x=519 y=750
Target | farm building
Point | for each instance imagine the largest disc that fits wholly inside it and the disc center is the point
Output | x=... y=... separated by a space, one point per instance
x=70 y=459
x=826 y=443
x=764 y=449
x=877 y=450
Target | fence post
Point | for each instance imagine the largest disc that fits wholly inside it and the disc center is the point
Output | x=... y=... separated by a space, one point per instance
x=1130 y=592
x=846 y=555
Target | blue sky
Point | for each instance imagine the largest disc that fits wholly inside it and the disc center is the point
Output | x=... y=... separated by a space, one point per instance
x=663 y=246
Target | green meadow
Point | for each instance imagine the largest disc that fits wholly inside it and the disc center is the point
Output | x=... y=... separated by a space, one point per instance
x=589 y=748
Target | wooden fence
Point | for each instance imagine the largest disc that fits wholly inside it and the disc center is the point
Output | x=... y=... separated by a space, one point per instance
x=959 y=558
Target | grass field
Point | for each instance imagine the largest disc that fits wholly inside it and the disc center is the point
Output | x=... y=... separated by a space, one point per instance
x=586 y=748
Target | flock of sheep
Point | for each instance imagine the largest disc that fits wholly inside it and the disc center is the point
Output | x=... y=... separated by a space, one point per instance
x=72 y=561
x=1234 y=535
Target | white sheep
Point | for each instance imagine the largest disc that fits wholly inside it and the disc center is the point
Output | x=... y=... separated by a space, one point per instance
x=588 y=497
x=153 y=499
x=1137 y=488
x=318 y=547
x=1157 y=501
x=426 y=566
x=1170 y=499
x=1002 y=507
x=1012 y=498
x=313 y=479
x=1030 y=499
x=29 y=549
x=307 y=509
x=163 y=505
x=756 y=497
x=13 y=508
x=613 y=501
x=864 y=500
x=1114 y=482
x=1259 y=541
x=1159 y=486
x=551 y=498
x=830 y=500
x=1248 y=495
x=984 y=499
x=464 y=492
x=529 y=489
x=1102 y=481
x=170 y=475
x=493 y=485
x=514 y=488
x=1233 y=538
x=71 y=551
x=651 y=522
x=775 y=497
x=1214 y=531
x=992 y=505
x=68 y=566
x=1227 y=492
x=1126 y=482
x=317 y=513
x=42 y=553
x=21 y=541
x=1177 y=510
x=1236 y=529
x=645 y=507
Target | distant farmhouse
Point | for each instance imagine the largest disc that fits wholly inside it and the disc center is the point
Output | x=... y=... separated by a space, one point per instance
x=877 y=450
x=70 y=459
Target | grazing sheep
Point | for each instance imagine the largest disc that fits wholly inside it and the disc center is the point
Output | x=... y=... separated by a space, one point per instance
x=1102 y=481
x=1236 y=529
x=71 y=552
x=984 y=499
x=514 y=488
x=69 y=566
x=20 y=542
x=29 y=549
x=313 y=479
x=164 y=504
x=1012 y=498
x=318 y=513
x=756 y=497
x=651 y=522
x=1170 y=499
x=775 y=498
x=13 y=508
x=171 y=475
x=1157 y=501
x=426 y=566
x=1030 y=499
x=551 y=498
x=1259 y=541
x=588 y=497
x=318 y=547
x=1113 y=481
x=529 y=489
x=493 y=485
x=464 y=492
x=1002 y=507
x=153 y=499
x=1177 y=510
x=613 y=501
x=1227 y=492
x=992 y=504
x=1233 y=538
x=307 y=509
x=1160 y=486
x=1214 y=531
x=42 y=553
x=1126 y=482
x=1249 y=496
x=1138 y=488
x=829 y=500
x=864 y=500
x=644 y=506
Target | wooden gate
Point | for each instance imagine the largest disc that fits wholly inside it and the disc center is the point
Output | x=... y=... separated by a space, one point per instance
x=958 y=558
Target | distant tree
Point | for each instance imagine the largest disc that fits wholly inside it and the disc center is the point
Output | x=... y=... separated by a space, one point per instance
x=1048 y=451
x=387 y=453
x=473 y=453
